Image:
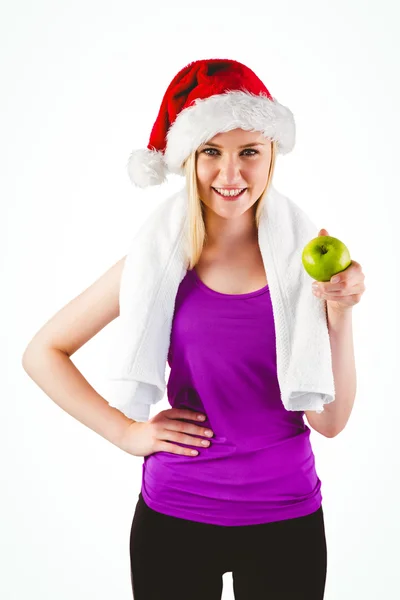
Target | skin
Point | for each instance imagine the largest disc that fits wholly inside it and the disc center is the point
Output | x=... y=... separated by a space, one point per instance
x=231 y=225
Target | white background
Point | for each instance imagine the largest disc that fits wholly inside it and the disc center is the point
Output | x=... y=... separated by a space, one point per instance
x=81 y=86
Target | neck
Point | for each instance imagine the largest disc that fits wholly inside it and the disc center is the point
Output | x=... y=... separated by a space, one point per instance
x=229 y=235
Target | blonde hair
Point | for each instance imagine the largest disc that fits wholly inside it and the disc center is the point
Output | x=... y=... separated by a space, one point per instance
x=196 y=230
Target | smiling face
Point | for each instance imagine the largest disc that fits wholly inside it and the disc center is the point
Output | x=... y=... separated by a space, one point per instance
x=223 y=162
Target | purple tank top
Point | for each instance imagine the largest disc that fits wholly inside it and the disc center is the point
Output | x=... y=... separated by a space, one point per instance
x=260 y=466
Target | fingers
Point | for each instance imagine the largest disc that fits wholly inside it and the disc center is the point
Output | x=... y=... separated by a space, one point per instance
x=183 y=438
x=173 y=430
x=343 y=288
x=184 y=413
x=177 y=425
x=166 y=447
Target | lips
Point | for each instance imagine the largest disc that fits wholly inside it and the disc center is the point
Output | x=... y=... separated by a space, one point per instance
x=230 y=197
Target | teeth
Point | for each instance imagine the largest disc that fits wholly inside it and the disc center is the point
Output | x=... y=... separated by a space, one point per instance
x=228 y=192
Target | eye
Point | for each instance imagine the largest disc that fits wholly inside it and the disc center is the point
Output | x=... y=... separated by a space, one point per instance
x=209 y=150
x=245 y=150
x=250 y=150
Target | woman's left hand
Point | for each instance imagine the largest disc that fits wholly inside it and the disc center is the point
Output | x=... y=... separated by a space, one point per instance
x=345 y=293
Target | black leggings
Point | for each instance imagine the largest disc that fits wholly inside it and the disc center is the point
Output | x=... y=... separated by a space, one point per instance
x=183 y=559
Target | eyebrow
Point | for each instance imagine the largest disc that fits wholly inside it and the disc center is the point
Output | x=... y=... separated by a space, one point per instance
x=244 y=145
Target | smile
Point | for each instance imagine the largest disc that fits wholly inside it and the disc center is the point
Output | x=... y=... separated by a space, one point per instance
x=229 y=196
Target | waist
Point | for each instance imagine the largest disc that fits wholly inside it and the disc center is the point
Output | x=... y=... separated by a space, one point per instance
x=235 y=484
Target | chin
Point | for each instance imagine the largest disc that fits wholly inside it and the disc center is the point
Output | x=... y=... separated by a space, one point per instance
x=230 y=212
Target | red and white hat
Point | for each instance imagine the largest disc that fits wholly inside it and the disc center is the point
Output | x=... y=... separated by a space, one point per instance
x=205 y=98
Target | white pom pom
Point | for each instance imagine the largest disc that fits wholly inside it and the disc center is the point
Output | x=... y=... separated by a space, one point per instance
x=147 y=167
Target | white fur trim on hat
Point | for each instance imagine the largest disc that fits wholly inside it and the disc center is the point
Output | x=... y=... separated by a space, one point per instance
x=198 y=123
x=147 y=167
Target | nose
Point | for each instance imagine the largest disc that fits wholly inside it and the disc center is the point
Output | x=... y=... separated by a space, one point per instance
x=230 y=169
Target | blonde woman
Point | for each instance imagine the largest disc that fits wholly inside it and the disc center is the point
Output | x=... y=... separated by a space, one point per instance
x=237 y=491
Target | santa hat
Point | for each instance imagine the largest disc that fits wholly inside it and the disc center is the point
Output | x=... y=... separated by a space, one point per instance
x=205 y=98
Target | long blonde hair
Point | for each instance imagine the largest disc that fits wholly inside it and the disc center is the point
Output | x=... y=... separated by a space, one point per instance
x=196 y=232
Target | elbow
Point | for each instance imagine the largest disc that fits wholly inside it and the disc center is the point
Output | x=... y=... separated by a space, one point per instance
x=25 y=359
x=332 y=434
x=335 y=432
x=31 y=352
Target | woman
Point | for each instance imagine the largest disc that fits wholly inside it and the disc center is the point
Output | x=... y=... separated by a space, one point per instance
x=251 y=501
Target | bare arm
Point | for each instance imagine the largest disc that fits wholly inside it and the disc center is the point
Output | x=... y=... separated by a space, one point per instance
x=47 y=357
x=335 y=415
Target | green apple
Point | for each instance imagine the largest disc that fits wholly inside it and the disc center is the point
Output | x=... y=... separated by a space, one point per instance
x=324 y=256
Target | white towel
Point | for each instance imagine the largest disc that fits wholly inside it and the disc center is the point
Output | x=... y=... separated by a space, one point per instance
x=154 y=268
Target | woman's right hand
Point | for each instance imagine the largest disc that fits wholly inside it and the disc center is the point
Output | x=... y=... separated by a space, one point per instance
x=156 y=434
